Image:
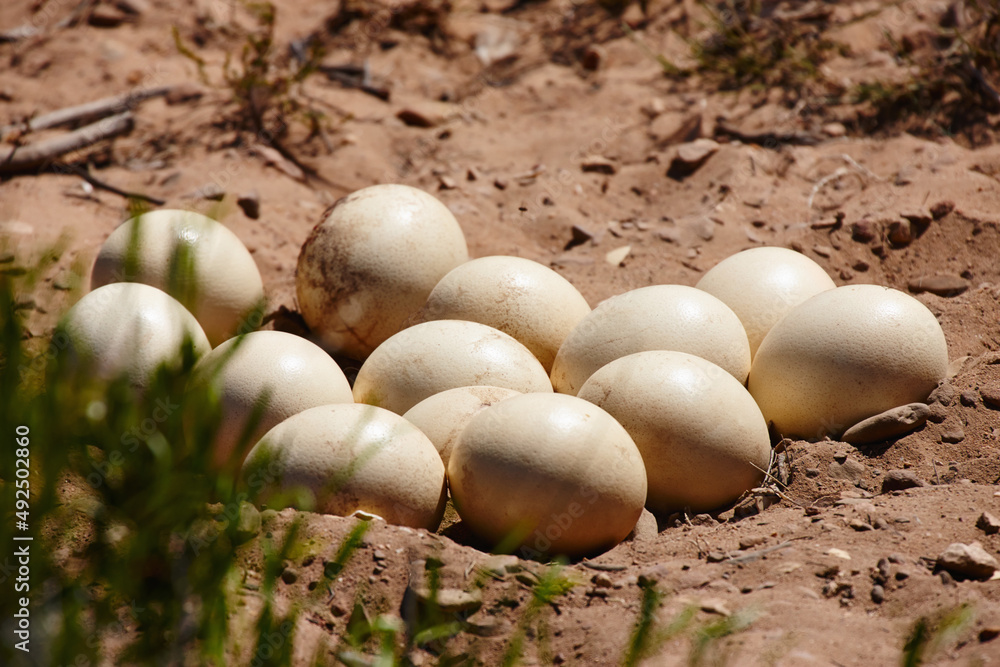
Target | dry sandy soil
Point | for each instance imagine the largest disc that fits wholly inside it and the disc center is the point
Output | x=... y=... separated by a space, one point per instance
x=527 y=119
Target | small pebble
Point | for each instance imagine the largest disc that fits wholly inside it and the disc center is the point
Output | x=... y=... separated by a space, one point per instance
x=878 y=594
x=988 y=523
x=897 y=480
x=991 y=396
x=968 y=399
x=953 y=435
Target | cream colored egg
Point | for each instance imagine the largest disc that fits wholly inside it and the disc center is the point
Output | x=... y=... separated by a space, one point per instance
x=442 y=417
x=762 y=284
x=702 y=438
x=547 y=474
x=197 y=260
x=129 y=329
x=371 y=264
x=518 y=296
x=845 y=355
x=350 y=457
x=432 y=357
x=283 y=373
x=660 y=317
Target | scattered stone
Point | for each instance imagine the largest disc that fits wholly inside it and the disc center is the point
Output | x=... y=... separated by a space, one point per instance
x=446 y=182
x=991 y=396
x=850 y=471
x=427 y=113
x=838 y=553
x=617 y=256
x=211 y=192
x=946 y=578
x=602 y=580
x=988 y=523
x=593 y=57
x=878 y=594
x=861 y=265
x=889 y=424
x=860 y=526
x=690 y=157
x=703 y=228
x=941 y=209
x=598 y=164
x=703 y=520
x=715 y=557
x=184 y=92
x=968 y=398
x=501 y=565
x=897 y=559
x=500 y=183
x=920 y=217
x=943 y=394
x=937 y=413
x=967 y=560
x=105 y=16
x=581 y=235
x=675 y=127
x=880 y=524
x=989 y=634
x=63 y=282
x=645 y=529
x=250 y=203
x=247 y=522
x=715 y=607
x=472 y=174
x=952 y=435
x=864 y=231
x=379 y=554
x=483 y=624
x=289 y=576
x=823 y=250
x=941 y=285
x=900 y=232
x=669 y=234
x=450 y=600
x=751 y=542
x=899 y=480
x=835 y=130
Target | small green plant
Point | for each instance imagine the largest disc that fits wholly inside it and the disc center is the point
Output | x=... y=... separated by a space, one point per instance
x=930 y=634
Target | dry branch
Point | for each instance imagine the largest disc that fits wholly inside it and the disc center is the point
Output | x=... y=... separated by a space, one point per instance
x=88 y=111
x=22 y=158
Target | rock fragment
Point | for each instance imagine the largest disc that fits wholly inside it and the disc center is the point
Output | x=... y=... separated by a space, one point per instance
x=864 y=231
x=900 y=232
x=944 y=394
x=593 y=57
x=598 y=164
x=941 y=209
x=889 y=424
x=968 y=561
x=249 y=202
x=953 y=434
x=941 y=285
x=988 y=523
x=617 y=256
x=690 y=157
x=427 y=113
x=991 y=396
x=899 y=480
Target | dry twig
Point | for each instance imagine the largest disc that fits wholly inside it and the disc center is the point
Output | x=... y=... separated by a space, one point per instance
x=21 y=158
